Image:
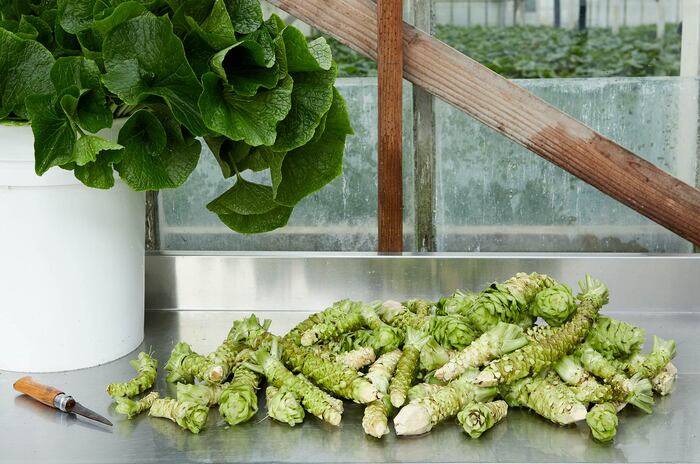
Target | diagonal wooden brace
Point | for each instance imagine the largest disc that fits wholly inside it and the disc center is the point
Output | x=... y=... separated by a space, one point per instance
x=516 y=113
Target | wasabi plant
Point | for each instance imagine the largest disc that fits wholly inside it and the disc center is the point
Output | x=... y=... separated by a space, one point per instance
x=452 y=331
x=407 y=367
x=615 y=339
x=132 y=408
x=258 y=93
x=635 y=390
x=585 y=387
x=507 y=302
x=283 y=406
x=535 y=356
x=188 y=415
x=204 y=394
x=313 y=399
x=332 y=376
x=662 y=352
x=602 y=419
x=238 y=402
x=554 y=304
x=459 y=303
x=382 y=370
x=419 y=307
x=146 y=366
x=477 y=418
x=375 y=421
x=185 y=365
x=546 y=396
x=421 y=415
x=342 y=317
x=497 y=341
x=664 y=380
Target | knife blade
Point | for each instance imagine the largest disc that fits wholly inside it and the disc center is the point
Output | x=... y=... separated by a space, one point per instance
x=56 y=398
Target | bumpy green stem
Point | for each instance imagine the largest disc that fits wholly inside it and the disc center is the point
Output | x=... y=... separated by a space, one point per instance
x=407 y=367
x=477 y=418
x=375 y=421
x=381 y=372
x=357 y=359
x=635 y=390
x=497 y=341
x=239 y=401
x=421 y=415
x=205 y=394
x=615 y=339
x=585 y=387
x=185 y=365
x=554 y=304
x=190 y=416
x=342 y=317
x=283 y=406
x=507 y=302
x=537 y=355
x=570 y=370
x=146 y=366
x=662 y=352
x=384 y=337
x=549 y=398
x=332 y=376
x=664 y=380
x=313 y=399
x=602 y=419
x=133 y=408
x=419 y=307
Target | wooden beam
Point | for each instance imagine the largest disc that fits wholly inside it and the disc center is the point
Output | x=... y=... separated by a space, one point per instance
x=389 y=166
x=517 y=114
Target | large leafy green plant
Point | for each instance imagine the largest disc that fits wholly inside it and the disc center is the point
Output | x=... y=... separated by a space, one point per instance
x=259 y=94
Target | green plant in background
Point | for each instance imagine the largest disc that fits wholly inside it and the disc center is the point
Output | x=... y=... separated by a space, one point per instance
x=259 y=94
x=543 y=51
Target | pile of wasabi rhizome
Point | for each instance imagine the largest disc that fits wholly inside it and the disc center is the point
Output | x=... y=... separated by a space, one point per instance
x=528 y=342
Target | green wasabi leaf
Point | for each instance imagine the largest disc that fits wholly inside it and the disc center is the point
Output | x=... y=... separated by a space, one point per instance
x=75 y=15
x=312 y=97
x=54 y=134
x=143 y=57
x=88 y=146
x=99 y=173
x=228 y=153
x=89 y=110
x=112 y=17
x=246 y=15
x=303 y=56
x=252 y=119
x=248 y=64
x=25 y=71
x=249 y=208
x=157 y=153
x=308 y=168
x=216 y=30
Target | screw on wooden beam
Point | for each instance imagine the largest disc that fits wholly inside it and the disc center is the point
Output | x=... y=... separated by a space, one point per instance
x=390 y=173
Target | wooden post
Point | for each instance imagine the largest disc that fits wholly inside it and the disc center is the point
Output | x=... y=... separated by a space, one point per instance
x=688 y=103
x=423 y=147
x=390 y=172
x=582 y=15
x=557 y=13
x=516 y=113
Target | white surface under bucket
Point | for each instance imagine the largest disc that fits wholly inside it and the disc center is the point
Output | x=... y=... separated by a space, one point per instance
x=71 y=265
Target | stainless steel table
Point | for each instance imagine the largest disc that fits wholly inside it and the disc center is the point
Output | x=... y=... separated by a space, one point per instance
x=659 y=294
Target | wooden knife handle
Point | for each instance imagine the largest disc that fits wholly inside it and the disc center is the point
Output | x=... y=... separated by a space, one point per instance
x=38 y=391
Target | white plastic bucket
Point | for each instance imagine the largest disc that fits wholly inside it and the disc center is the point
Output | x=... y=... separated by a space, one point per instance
x=71 y=265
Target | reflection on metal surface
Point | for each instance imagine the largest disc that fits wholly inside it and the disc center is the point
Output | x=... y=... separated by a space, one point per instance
x=311 y=281
x=33 y=432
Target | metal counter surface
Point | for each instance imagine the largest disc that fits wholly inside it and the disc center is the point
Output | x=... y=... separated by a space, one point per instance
x=31 y=432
